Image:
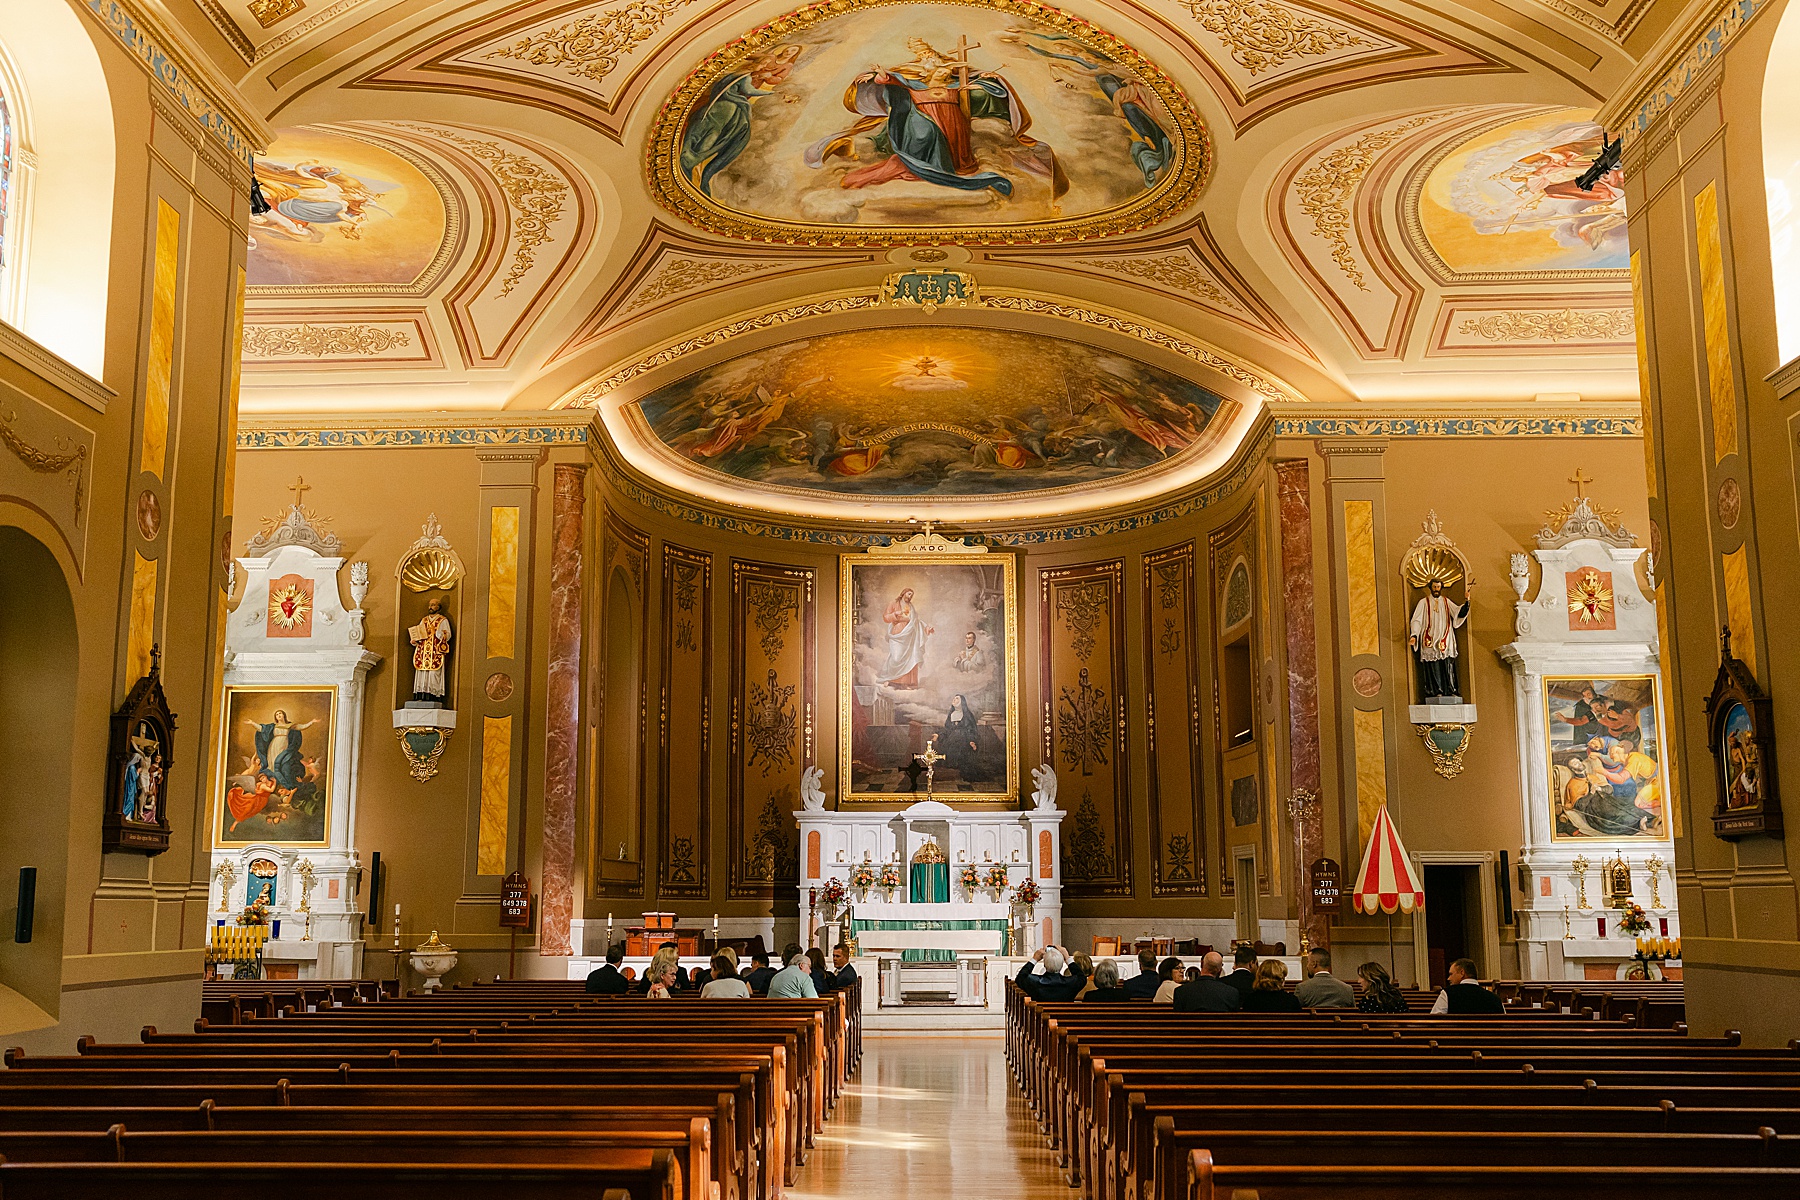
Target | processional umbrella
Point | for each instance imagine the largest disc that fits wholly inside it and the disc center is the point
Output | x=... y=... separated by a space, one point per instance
x=1385 y=880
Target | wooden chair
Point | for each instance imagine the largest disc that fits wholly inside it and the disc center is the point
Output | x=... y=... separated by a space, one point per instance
x=1107 y=946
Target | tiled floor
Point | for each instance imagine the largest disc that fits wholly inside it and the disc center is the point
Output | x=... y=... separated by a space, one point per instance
x=931 y=1118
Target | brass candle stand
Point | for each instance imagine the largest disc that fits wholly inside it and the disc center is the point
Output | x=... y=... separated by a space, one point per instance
x=304 y=869
x=1653 y=867
x=227 y=877
x=1580 y=868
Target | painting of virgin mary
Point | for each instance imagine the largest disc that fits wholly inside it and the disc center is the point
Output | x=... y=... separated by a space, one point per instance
x=277 y=766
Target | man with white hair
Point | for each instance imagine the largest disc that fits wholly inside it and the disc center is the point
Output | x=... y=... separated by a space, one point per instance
x=793 y=982
x=1052 y=985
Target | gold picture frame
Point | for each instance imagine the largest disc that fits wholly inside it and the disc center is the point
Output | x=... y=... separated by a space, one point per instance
x=942 y=675
x=255 y=804
x=1596 y=803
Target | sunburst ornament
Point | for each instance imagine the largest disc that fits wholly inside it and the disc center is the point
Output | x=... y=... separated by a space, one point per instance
x=1591 y=598
x=290 y=606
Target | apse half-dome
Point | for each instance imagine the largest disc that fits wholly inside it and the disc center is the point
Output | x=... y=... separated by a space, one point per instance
x=933 y=413
x=901 y=121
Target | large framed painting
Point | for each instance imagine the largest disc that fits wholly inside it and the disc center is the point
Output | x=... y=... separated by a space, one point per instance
x=275 y=774
x=1604 y=744
x=928 y=637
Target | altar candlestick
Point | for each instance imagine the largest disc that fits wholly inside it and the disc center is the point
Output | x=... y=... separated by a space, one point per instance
x=396 y=926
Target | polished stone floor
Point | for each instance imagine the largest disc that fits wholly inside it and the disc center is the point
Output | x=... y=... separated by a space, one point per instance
x=931 y=1117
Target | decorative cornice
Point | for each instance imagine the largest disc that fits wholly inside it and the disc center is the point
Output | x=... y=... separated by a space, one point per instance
x=1642 y=100
x=55 y=369
x=1557 y=325
x=1484 y=426
x=208 y=99
x=409 y=431
x=319 y=341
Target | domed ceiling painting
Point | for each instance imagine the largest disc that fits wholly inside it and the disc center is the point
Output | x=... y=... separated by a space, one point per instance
x=895 y=120
x=1508 y=200
x=344 y=212
x=930 y=411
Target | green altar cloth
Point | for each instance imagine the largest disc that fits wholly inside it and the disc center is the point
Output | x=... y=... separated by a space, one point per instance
x=930 y=883
x=859 y=926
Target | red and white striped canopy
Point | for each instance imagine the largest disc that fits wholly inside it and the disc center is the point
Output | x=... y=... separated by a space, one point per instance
x=1385 y=880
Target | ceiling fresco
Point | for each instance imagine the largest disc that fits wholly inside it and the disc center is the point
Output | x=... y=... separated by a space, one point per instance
x=899 y=120
x=930 y=411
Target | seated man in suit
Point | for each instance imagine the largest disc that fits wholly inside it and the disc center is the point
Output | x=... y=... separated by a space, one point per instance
x=1464 y=995
x=1243 y=968
x=1209 y=993
x=606 y=980
x=760 y=973
x=1143 y=985
x=1052 y=985
x=842 y=974
x=1321 y=990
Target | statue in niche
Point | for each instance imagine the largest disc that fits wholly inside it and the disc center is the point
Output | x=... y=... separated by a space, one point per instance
x=1435 y=620
x=431 y=652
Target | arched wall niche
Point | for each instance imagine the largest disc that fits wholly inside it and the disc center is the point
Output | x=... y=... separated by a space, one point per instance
x=38 y=674
x=61 y=107
x=1781 y=174
x=621 y=751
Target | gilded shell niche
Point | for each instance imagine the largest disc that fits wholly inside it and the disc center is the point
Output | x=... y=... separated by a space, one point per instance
x=872 y=122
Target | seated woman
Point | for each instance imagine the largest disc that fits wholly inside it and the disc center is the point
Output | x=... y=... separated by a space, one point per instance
x=1170 y=973
x=1106 y=986
x=1269 y=991
x=1378 y=993
x=664 y=971
x=821 y=981
x=725 y=983
x=1081 y=966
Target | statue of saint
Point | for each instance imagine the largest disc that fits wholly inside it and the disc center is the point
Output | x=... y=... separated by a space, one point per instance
x=1432 y=636
x=431 y=651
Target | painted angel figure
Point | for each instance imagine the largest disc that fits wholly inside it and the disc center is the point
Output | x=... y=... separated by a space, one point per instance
x=921 y=117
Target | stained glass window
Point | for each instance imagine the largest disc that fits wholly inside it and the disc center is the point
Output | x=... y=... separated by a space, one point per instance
x=6 y=174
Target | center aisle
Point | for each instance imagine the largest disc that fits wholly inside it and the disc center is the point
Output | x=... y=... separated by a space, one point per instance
x=928 y=1118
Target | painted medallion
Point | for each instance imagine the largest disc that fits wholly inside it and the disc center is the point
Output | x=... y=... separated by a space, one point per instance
x=879 y=121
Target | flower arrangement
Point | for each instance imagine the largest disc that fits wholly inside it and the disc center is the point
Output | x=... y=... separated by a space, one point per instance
x=863 y=876
x=834 y=892
x=1026 y=894
x=1633 y=920
x=996 y=877
x=258 y=914
x=890 y=876
x=970 y=877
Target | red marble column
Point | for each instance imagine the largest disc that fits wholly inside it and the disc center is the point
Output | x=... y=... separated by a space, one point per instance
x=1297 y=590
x=562 y=732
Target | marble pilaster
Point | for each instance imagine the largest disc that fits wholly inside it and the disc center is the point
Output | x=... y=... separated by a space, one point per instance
x=1297 y=584
x=562 y=721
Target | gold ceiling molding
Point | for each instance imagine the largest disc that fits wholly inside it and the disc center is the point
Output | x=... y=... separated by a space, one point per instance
x=1177 y=271
x=1536 y=325
x=1261 y=34
x=268 y=12
x=1003 y=300
x=534 y=196
x=679 y=275
x=252 y=52
x=1325 y=188
x=320 y=341
x=591 y=46
x=1172 y=193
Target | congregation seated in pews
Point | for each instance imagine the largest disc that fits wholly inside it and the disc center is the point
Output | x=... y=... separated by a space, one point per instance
x=536 y=1088
x=1522 y=1089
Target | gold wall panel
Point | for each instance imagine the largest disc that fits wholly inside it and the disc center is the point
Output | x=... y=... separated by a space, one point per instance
x=503 y=580
x=142 y=631
x=1359 y=566
x=496 y=795
x=160 y=374
x=774 y=629
x=234 y=386
x=1172 y=729
x=1643 y=370
x=685 y=757
x=1082 y=675
x=1721 y=387
x=1371 y=769
x=1736 y=566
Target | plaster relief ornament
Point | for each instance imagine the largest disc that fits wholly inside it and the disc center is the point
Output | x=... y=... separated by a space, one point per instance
x=431 y=651
x=1044 y=798
x=812 y=795
x=290 y=603
x=1590 y=598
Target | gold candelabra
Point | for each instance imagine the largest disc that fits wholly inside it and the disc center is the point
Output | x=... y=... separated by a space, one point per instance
x=227 y=877
x=1653 y=867
x=1568 y=933
x=304 y=869
x=1580 y=868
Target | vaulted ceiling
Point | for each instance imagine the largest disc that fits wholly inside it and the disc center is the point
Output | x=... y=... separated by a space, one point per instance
x=527 y=204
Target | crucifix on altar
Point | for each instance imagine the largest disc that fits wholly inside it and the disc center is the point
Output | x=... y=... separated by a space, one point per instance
x=929 y=758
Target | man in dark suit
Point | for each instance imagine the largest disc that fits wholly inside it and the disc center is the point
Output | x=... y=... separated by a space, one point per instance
x=1464 y=995
x=1243 y=962
x=1052 y=985
x=760 y=973
x=842 y=974
x=1143 y=985
x=1209 y=993
x=606 y=981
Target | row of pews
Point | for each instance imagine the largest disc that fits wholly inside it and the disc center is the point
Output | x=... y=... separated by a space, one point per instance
x=531 y=1087
x=1144 y=1103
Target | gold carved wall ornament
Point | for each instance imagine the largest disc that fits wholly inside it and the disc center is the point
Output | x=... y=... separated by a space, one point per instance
x=1536 y=325
x=678 y=276
x=535 y=196
x=771 y=723
x=1325 y=188
x=1446 y=741
x=1261 y=34
x=43 y=462
x=1082 y=607
x=1177 y=272
x=431 y=563
x=1084 y=725
x=267 y=12
x=321 y=341
x=591 y=46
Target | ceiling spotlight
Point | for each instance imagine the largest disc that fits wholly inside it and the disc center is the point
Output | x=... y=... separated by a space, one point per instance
x=259 y=204
x=1608 y=161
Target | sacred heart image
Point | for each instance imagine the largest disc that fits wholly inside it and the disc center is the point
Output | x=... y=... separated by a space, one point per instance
x=854 y=118
x=929 y=700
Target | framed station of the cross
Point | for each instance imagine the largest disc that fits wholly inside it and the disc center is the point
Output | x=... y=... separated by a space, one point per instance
x=928 y=647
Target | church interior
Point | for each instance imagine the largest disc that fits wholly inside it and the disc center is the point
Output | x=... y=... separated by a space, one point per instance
x=1014 y=502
